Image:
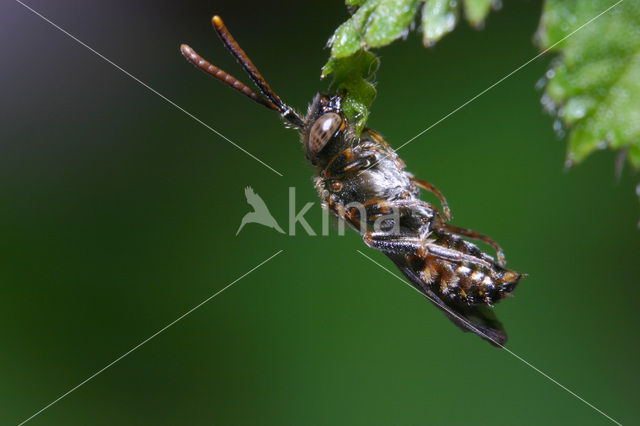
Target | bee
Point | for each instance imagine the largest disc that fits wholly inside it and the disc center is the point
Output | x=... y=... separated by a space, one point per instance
x=364 y=171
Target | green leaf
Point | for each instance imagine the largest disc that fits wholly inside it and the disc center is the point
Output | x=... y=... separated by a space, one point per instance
x=594 y=86
x=377 y=23
x=389 y=21
x=439 y=17
x=352 y=78
x=347 y=39
x=476 y=11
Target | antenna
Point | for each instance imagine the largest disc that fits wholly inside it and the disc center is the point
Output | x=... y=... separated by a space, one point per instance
x=267 y=98
x=223 y=76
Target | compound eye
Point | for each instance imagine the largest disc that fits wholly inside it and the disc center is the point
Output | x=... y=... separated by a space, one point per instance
x=323 y=130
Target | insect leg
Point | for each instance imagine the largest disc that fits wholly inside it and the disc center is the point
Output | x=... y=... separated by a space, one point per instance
x=411 y=244
x=376 y=208
x=377 y=137
x=431 y=188
x=348 y=161
x=469 y=233
x=386 y=242
x=453 y=255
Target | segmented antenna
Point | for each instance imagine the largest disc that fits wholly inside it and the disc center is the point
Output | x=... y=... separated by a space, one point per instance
x=223 y=76
x=267 y=98
x=232 y=45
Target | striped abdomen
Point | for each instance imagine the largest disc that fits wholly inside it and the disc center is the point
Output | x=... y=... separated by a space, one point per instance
x=471 y=283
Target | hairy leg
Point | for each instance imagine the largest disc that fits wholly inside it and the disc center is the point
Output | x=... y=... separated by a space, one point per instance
x=431 y=188
x=469 y=233
x=409 y=244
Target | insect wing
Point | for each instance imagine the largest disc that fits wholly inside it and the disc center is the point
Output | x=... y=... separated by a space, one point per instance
x=480 y=320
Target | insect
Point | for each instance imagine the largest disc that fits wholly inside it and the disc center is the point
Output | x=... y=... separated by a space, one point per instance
x=454 y=274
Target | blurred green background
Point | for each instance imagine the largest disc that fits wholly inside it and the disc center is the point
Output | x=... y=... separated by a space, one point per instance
x=119 y=212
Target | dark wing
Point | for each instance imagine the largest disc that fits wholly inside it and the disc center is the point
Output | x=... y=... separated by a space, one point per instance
x=477 y=319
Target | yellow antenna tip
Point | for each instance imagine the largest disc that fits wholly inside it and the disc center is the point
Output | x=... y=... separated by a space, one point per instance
x=217 y=21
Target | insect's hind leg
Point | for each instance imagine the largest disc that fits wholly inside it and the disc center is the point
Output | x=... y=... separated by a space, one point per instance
x=412 y=244
x=469 y=233
x=387 y=242
x=431 y=188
